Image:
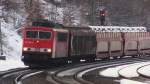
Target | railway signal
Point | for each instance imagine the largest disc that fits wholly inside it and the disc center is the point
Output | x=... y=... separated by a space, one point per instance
x=102 y=17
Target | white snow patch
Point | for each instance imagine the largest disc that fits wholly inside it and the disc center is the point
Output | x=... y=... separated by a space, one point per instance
x=131 y=70
x=10 y=64
x=127 y=81
x=112 y=72
x=124 y=70
x=11 y=41
x=145 y=70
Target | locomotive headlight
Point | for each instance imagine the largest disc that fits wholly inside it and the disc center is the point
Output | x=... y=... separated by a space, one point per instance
x=49 y=50
x=25 y=49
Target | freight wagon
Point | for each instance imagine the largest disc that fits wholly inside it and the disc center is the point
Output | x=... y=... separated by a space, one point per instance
x=119 y=44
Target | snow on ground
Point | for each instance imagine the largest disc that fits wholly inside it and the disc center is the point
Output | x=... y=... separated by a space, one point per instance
x=125 y=70
x=145 y=70
x=131 y=70
x=10 y=64
x=11 y=47
x=127 y=81
x=112 y=72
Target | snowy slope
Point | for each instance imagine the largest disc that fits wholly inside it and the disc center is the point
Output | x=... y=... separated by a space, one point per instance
x=11 y=47
x=10 y=64
x=11 y=41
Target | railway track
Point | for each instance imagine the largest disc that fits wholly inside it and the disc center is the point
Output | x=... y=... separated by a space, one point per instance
x=8 y=76
x=73 y=75
x=136 y=75
x=21 y=77
x=139 y=76
x=93 y=77
x=69 y=74
x=142 y=74
x=132 y=67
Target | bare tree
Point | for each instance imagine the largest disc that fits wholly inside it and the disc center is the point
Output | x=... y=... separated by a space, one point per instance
x=33 y=9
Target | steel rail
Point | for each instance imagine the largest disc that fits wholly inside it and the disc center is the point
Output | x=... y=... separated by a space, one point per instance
x=79 y=79
x=21 y=77
x=79 y=75
x=145 y=76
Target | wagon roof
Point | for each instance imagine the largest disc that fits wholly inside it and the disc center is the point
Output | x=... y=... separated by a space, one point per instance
x=118 y=29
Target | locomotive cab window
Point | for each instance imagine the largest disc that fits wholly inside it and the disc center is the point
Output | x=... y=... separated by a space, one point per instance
x=32 y=34
x=38 y=34
x=61 y=36
x=44 y=35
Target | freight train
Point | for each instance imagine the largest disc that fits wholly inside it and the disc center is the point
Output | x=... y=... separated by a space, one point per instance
x=50 y=43
x=53 y=44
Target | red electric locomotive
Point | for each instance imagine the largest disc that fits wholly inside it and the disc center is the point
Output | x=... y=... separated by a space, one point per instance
x=49 y=43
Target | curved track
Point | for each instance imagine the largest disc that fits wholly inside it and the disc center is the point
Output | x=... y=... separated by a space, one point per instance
x=68 y=74
x=93 y=76
x=126 y=71
x=141 y=74
x=21 y=77
x=74 y=74
x=9 y=76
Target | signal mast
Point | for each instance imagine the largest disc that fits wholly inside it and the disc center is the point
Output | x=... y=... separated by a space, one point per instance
x=102 y=14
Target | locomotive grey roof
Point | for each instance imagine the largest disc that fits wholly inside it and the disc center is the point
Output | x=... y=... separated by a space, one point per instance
x=117 y=29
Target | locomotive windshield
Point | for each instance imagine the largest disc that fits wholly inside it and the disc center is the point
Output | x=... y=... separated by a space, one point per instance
x=32 y=34
x=44 y=35
x=38 y=34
